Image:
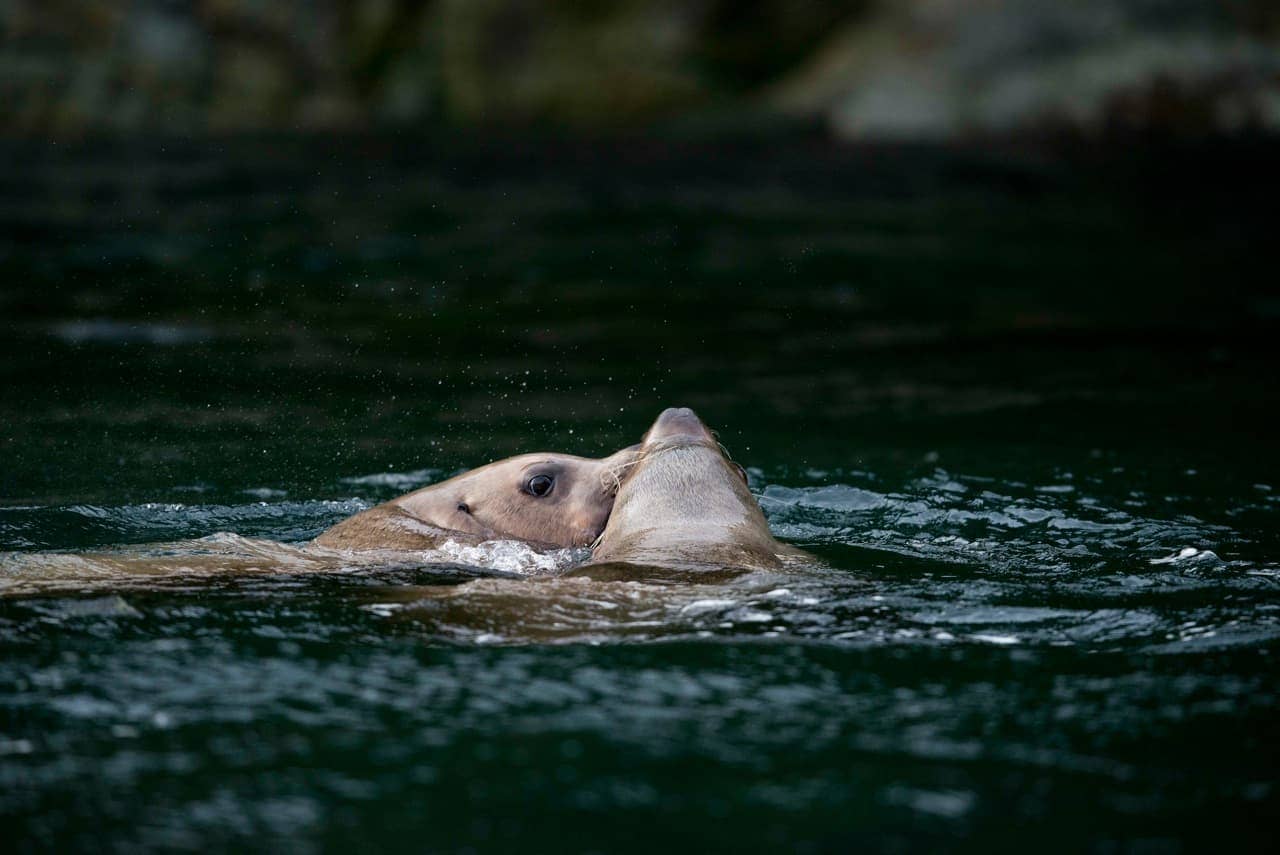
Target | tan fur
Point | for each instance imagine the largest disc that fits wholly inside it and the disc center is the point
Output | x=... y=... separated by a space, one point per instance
x=683 y=502
x=490 y=503
x=383 y=527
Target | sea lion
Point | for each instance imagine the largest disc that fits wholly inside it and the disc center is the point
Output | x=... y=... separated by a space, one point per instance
x=682 y=503
x=550 y=500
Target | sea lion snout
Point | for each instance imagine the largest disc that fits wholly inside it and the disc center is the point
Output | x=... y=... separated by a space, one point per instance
x=678 y=421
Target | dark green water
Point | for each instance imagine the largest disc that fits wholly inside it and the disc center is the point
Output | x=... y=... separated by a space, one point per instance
x=1023 y=404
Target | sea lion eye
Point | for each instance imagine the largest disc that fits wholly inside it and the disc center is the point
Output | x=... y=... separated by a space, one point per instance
x=539 y=485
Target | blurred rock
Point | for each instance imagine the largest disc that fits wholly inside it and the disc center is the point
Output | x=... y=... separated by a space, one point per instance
x=520 y=60
x=871 y=69
x=236 y=64
x=942 y=69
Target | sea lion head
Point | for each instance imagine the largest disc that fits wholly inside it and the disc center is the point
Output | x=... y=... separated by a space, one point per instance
x=680 y=464
x=681 y=498
x=554 y=499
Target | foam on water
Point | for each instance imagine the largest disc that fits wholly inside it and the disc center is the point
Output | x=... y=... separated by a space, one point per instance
x=511 y=556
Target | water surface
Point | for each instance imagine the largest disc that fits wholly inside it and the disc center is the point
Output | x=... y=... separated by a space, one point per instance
x=1020 y=404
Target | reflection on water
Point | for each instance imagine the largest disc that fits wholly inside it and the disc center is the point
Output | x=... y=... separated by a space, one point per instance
x=1021 y=409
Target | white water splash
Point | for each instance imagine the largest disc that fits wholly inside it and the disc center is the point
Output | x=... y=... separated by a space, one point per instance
x=512 y=556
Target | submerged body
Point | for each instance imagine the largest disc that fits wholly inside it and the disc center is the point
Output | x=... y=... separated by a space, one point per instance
x=683 y=503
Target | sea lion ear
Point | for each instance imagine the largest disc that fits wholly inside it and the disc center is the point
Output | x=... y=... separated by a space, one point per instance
x=616 y=466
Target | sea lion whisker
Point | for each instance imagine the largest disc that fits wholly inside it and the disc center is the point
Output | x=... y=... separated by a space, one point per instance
x=611 y=477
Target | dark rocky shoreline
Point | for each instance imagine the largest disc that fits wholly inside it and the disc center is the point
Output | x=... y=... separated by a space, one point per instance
x=866 y=70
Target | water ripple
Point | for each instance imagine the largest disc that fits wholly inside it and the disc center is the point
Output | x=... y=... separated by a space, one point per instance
x=941 y=560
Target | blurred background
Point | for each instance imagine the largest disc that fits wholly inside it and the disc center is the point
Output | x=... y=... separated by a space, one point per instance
x=443 y=232
x=923 y=69
x=447 y=231
x=919 y=69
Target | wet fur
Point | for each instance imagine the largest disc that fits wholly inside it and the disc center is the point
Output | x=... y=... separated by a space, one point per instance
x=386 y=526
x=682 y=502
x=488 y=504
